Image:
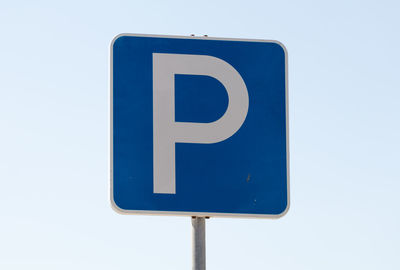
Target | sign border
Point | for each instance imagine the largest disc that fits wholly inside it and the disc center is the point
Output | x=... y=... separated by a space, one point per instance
x=198 y=214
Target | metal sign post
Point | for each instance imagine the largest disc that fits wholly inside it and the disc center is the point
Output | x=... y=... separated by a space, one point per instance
x=199 y=243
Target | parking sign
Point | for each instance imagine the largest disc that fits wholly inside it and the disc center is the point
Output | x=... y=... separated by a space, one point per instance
x=199 y=126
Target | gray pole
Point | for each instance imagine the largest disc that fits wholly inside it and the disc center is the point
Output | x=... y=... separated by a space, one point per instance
x=199 y=243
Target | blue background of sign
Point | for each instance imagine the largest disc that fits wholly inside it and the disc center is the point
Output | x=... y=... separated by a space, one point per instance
x=245 y=174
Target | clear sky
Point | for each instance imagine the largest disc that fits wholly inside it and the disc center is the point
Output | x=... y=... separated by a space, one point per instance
x=344 y=137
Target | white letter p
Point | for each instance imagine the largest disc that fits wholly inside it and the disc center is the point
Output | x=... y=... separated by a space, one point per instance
x=167 y=132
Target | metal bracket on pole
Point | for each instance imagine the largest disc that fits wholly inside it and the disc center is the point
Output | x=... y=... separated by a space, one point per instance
x=199 y=243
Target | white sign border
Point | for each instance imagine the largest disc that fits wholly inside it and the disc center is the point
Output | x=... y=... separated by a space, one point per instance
x=198 y=214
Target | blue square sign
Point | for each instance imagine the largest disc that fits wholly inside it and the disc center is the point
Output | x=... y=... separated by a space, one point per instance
x=199 y=126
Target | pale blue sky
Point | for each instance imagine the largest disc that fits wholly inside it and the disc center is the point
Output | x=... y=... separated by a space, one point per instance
x=344 y=137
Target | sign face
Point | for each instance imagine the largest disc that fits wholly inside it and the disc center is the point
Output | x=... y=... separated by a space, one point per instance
x=199 y=126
